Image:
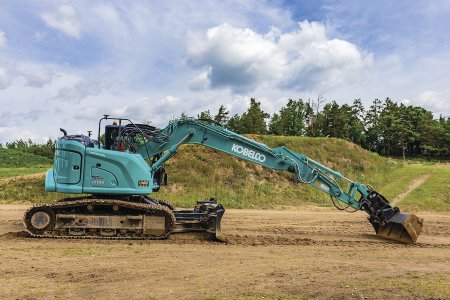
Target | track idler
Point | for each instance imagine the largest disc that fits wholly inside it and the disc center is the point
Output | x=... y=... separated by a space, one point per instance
x=389 y=222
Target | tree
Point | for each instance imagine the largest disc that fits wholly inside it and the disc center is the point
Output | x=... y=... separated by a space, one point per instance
x=205 y=115
x=334 y=121
x=431 y=132
x=315 y=114
x=222 y=116
x=372 y=124
x=357 y=130
x=235 y=123
x=275 y=125
x=293 y=119
x=253 y=120
x=389 y=124
x=29 y=146
x=444 y=140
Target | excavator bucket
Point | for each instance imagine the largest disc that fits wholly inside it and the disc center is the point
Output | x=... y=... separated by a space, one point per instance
x=401 y=227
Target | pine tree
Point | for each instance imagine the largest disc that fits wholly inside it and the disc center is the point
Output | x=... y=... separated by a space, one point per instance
x=205 y=115
x=357 y=129
x=235 y=123
x=275 y=126
x=253 y=121
x=222 y=116
x=373 y=128
x=292 y=119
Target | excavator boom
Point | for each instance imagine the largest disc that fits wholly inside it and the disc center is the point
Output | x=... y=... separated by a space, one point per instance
x=387 y=220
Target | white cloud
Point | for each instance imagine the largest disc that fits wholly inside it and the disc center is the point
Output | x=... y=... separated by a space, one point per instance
x=107 y=12
x=35 y=75
x=13 y=133
x=88 y=113
x=303 y=59
x=2 y=39
x=200 y=82
x=39 y=78
x=235 y=57
x=144 y=108
x=6 y=77
x=81 y=90
x=406 y=101
x=64 y=19
x=433 y=101
x=39 y=36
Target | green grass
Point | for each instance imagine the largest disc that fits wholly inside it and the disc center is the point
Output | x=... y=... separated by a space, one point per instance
x=16 y=163
x=433 y=194
x=11 y=158
x=10 y=172
x=26 y=190
x=428 y=286
x=402 y=177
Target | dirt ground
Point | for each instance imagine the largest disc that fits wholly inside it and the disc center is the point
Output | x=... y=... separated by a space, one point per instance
x=296 y=254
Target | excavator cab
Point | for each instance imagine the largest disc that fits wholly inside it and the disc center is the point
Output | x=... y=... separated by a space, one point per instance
x=111 y=133
x=127 y=137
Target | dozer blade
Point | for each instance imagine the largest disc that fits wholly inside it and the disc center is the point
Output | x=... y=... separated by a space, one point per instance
x=205 y=217
x=401 y=227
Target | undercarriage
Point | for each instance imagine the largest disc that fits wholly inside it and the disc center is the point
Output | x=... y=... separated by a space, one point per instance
x=136 y=218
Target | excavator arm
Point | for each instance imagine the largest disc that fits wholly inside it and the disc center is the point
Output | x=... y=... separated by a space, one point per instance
x=386 y=219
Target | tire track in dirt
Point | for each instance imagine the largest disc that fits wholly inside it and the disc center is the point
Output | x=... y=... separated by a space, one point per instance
x=415 y=184
x=316 y=253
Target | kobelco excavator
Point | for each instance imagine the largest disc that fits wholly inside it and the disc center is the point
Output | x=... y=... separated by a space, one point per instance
x=116 y=173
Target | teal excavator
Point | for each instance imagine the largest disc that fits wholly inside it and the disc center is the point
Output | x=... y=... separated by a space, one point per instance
x=115 y=175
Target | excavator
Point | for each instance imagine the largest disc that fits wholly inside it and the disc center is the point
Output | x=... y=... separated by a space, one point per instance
x=109 y=182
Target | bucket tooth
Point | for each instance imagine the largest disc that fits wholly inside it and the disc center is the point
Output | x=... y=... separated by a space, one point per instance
x=401 y=227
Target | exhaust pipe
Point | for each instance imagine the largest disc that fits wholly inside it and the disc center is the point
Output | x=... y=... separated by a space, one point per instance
x=389 y=222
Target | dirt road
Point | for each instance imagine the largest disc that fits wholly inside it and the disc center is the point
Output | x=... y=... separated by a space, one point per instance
x=415 y=184
x=308 y=253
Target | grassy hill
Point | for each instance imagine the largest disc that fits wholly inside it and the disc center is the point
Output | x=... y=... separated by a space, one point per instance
x=11 y=158
x=14 y=162
x=197 y=173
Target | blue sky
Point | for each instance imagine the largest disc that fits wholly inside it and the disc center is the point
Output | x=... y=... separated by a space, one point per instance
x=66 y=63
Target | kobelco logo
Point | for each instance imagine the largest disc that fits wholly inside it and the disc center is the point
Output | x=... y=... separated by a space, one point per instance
x=249 y=153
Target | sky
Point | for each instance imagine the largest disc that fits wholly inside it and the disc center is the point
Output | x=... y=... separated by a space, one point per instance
x=63 y=64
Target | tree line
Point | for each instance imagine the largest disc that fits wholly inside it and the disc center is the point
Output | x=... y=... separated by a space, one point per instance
x=46 y=150
x=385 y=127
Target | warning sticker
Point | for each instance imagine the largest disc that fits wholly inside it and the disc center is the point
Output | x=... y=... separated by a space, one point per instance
x=143 y=183
x=322 y=186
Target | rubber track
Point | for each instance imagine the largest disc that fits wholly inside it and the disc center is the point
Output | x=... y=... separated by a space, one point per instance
x=120 y=203
x=165 y=203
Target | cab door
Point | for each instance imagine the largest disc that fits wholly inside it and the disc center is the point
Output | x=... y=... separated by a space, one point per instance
x=67 y=167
